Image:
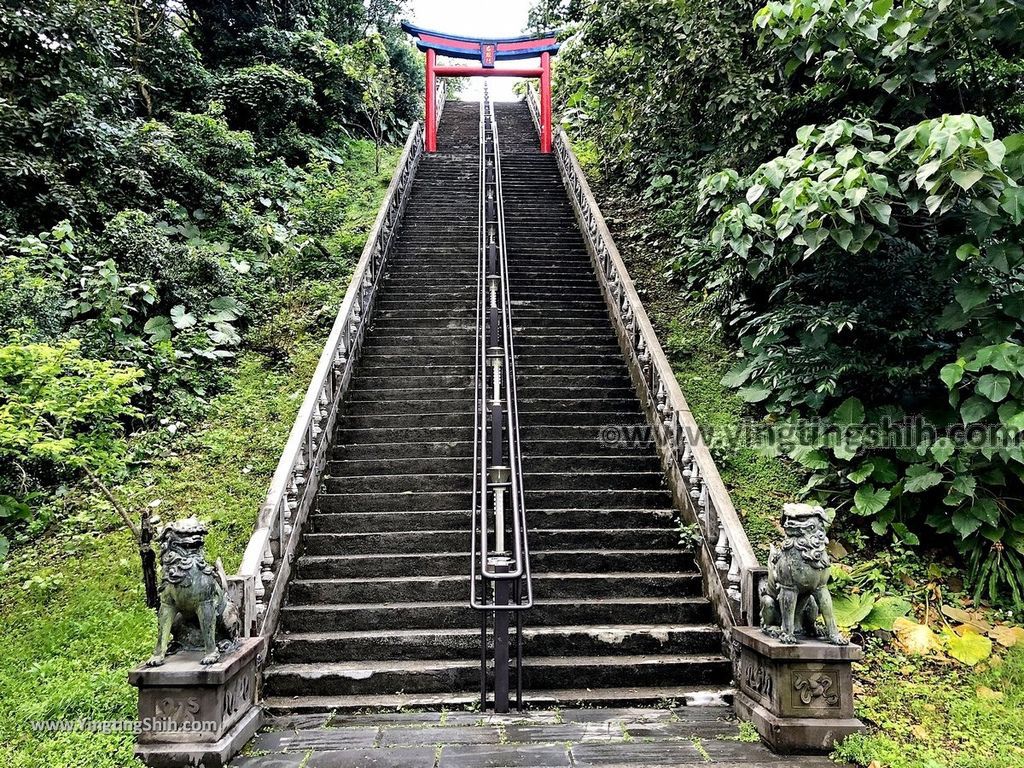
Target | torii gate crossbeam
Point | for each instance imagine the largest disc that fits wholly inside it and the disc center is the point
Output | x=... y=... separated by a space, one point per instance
x=487 y=52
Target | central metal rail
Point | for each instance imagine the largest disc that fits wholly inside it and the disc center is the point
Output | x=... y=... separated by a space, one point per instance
x=500 y=584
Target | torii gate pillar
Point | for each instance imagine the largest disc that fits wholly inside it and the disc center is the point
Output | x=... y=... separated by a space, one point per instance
x=430 y=110
x=487 y=52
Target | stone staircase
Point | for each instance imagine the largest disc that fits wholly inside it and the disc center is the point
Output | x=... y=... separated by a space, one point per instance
x=377 y=613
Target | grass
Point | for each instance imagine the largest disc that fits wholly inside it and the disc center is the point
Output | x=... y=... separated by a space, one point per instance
x=927 y=715
x=72 y=612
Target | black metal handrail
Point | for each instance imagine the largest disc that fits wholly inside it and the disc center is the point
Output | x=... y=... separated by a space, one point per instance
x=500 y=583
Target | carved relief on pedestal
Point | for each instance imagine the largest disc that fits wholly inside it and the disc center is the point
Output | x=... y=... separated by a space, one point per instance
x=238 y=695
x=177 y=710
x=757 y=678
x=817 y=689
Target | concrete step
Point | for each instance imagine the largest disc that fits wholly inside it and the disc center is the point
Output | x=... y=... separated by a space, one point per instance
x=402 y=450
x=399 y=484
x=371 y=383
x=444 y=347
x=395 y=521
x=403 y=407
x=356 y=565
x=565 y=417
x=359 y=393
x=327 y=617
x=412 y=542
x=579 y=480
x=454 y=464
x=628 y=639
x=680 y=695
x=422 y=434
x=454 y=588
x=459 y=421
x=580 y=444
x=413 y=501
x=432 y=675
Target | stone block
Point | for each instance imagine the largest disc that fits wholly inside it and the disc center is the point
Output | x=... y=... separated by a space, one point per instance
x=193 y=714
x=799 y=697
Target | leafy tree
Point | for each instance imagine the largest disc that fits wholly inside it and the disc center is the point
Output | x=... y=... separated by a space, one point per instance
x=60 y=411
x=370 y=67
x=869 y=273
x=548 y=15
x=151 y=154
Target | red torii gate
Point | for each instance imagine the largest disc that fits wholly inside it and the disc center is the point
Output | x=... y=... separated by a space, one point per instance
x=487 y=52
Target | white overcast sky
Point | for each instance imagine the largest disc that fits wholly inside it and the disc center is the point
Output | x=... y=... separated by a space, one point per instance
x=475 y=18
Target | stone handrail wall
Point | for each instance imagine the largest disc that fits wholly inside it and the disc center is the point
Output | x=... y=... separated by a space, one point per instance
x=266 y=565
x=440 y=99
x=730 y=568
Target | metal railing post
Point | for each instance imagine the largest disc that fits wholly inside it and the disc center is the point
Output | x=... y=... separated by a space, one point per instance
x=502 y=593
x=500 y=582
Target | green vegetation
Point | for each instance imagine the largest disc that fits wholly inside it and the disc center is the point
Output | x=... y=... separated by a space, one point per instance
x=173 y=175
x=837 y=186
x=759 y=484
x=820 y=204
x=932 y=716
x=184 y=190
x=72 y=604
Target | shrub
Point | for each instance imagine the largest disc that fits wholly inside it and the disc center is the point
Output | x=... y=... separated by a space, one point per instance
x=60 y=412
x=267 y=100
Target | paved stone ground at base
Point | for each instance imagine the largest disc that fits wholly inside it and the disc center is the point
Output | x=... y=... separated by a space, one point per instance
x=571 y=738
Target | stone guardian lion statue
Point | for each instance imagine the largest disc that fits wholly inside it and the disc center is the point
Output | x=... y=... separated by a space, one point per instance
x=796 y=590
x=195 y=613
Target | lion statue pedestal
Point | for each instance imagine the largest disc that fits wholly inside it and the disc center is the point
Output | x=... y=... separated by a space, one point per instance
x=794 y=673
x=197 y=693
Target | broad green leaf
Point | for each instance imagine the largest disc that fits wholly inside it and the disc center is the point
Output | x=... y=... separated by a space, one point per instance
x=1010 y=414
x=965 y=484
x=885 y=611
x=158 y=328
x=943 y=449
x=869 y=500
x=969 y=296
x=996 y=151
x=993 y=386
x=921 y=477
x=861 y=473
x=966 y=179
x=754 y=394
x=227 y=305
x=812 y=459
x=850 y=610
x=181 y=318
x=738 y=376
x=975 y=409
x=849 y=412
x=905 y=535
x=967 y=251
x=987 y=511
x=952 y=374
x=969 y=647
x=885 y=470
x=1012 y=201
x=845 y=155
x=965 y=523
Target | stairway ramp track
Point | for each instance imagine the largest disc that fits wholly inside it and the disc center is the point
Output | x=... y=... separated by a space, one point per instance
x=376 y=611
